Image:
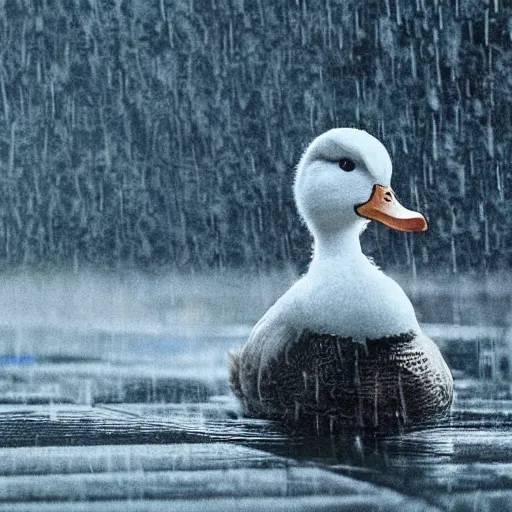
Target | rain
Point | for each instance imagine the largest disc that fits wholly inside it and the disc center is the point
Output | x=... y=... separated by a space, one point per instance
x=148 y=152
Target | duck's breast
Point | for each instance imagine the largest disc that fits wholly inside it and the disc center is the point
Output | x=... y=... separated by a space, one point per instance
x=358 y=302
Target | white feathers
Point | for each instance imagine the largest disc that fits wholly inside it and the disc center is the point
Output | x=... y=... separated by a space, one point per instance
x=343 y=293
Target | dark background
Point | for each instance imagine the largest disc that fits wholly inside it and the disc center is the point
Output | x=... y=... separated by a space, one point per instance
x=164 y=134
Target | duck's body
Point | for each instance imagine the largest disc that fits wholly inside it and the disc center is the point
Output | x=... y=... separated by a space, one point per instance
x=343 y=347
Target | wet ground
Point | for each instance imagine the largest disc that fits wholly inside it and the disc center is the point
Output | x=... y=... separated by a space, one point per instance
x=156 y=429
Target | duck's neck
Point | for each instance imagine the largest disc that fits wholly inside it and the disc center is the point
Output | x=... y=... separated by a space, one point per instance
x=338 y=245
x=349 y=296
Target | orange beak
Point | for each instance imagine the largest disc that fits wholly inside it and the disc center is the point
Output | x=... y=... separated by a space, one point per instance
x=383 y=207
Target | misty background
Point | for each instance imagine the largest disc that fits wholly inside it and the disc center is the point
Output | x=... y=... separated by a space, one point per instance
x=164 y=134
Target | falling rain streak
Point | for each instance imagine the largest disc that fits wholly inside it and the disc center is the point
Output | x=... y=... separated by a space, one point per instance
x=168 y=134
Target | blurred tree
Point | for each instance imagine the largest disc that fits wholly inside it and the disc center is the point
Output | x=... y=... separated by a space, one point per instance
x=165 y=133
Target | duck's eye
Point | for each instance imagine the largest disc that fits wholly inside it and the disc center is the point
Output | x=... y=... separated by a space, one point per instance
x=347 y=165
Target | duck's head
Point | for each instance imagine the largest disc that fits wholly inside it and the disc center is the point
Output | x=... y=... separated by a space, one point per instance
x=343 y=179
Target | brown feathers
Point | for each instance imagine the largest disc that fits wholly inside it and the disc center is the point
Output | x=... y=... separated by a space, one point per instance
x=383 y=384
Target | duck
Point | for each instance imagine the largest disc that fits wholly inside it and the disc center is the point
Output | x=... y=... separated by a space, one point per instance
x=342 y=348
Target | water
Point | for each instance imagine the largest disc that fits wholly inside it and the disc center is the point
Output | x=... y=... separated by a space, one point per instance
x=149 y=451
x=123 y=403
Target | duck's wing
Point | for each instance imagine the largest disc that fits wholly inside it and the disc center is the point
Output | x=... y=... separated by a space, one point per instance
x=295 y=375
x=234 y=372
x=267 y=342
x=425 y=363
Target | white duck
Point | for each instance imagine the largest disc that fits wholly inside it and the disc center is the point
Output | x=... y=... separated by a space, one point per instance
x=343 y=345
